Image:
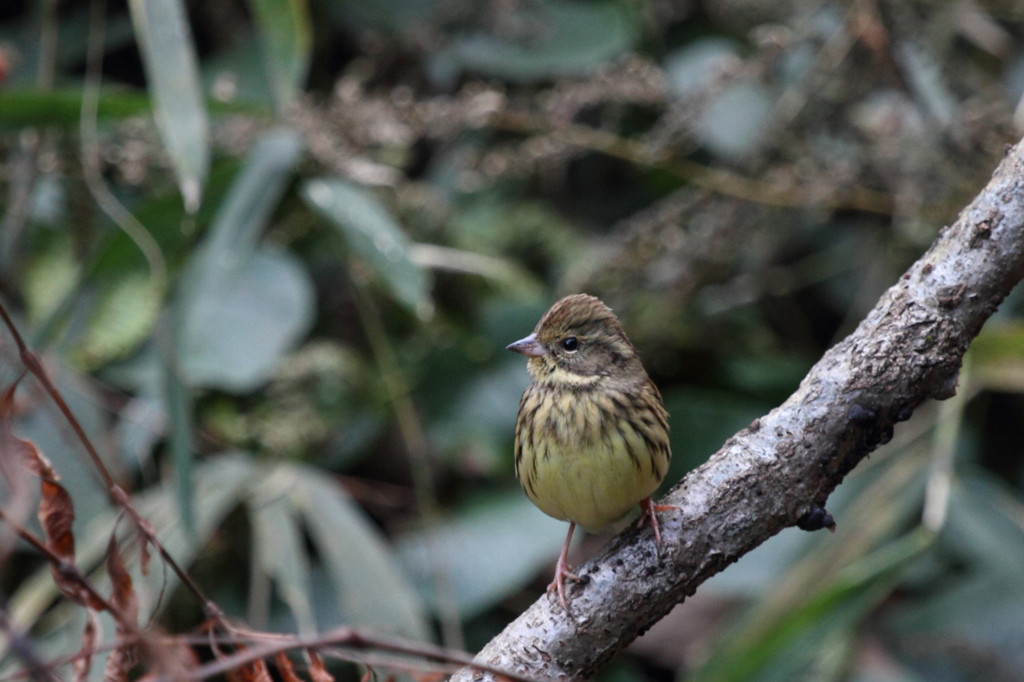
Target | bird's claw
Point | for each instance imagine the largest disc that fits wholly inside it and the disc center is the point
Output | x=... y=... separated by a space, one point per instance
x=647 y=512
x=562 y=573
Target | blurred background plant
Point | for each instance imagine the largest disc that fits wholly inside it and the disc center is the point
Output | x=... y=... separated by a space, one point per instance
x=272 y=251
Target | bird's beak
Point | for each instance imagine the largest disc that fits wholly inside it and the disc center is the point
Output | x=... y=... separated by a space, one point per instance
x=529 y=347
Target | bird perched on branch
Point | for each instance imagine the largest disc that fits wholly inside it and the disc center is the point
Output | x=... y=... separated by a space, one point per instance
x=592 y=433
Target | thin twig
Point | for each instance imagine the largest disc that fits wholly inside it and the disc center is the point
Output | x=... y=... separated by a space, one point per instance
x=343 y=637
x=161 y=641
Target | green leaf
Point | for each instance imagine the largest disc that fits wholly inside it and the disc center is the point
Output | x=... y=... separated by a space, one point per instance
x=63 y=107
x=701 y=420
x=560 y=38
x=389 y=17
x=997 y=356
x=165 y=42
x=242 y=323
x=287 y=35
x=979 y=601
x=372 y=234
x=124 y=316
x=984 y=524
x=782 y=650
x=181 y=419
x=49 y=278
x=244 y=306
x=488 y=552
x=252 y=199
x=482 y=414
x=368 y=581
x=237 y=74
x=278 y=546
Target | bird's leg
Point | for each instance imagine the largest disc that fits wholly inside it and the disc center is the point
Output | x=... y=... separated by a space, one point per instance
x=647 y=511
x=562 y=571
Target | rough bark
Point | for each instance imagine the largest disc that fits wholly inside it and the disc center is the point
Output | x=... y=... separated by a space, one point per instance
x=777 y=471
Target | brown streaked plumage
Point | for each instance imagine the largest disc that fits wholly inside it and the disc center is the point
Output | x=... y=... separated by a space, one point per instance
x=592 y=434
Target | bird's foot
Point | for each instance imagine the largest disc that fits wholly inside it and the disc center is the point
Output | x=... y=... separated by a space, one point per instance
x=647 y=512
x=563 y=573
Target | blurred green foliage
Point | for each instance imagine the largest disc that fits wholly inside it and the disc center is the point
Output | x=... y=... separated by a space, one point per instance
x=348 y=209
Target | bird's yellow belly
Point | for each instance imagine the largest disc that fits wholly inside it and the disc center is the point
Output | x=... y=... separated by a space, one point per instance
x=591 y=482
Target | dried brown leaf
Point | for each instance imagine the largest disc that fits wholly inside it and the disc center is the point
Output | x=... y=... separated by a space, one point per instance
x=285 y=667
x=120 y=662
x=256 y=671
x=16 y=449
x=17 y=452
x=371 y=675
x=317 y=669
x=123 y=595
x=57 y=515
x=37 y=462
x=124 y=599
x=90 y=635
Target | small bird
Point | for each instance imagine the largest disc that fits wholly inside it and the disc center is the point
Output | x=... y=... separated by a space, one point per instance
x=592 y=433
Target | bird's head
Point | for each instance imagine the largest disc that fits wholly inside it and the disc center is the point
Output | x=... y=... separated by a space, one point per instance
x=579 y=341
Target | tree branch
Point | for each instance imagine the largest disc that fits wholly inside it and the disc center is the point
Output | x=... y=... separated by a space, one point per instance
x=784 y=465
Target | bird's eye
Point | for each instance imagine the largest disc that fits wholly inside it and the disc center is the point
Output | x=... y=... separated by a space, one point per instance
x=570 y=343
